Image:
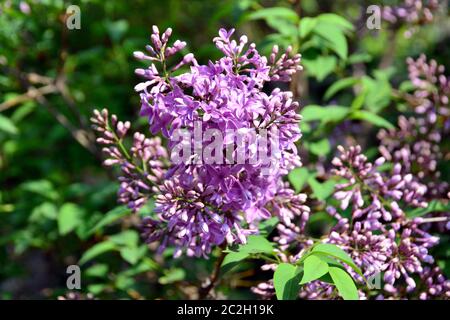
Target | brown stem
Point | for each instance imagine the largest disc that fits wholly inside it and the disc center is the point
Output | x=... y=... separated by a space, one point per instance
x=31 y=94
x=204 y=291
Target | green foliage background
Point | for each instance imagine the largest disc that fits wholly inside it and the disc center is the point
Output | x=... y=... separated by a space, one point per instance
x=58 y=205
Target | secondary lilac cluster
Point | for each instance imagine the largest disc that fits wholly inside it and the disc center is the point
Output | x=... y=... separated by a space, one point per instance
x=386 y=193
x=202 y=205
x=294 y=214
x=411 y=12
x=372 y=226
x=379 y=236
x=417 y=140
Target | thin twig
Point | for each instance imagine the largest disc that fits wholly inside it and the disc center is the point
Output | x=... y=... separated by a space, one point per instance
x=204 y=291
x=31 y=94
x=435 y=219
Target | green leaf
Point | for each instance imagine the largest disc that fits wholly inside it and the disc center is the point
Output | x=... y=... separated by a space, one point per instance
x=335 y=37
x=276 y=12
x=97 y=270
x=298 y=177
x=358 y=102
x=324 y=114
x=314 y=268
x=284 y=27
x=232 y=259
x=321 y=190
x=23 y=111
x=133 y=254
x=328 y=259
x=117 y=29
x=69 y=217
x=173 y=275
x=336 y=20
x=267 y=226
x=44 y=211
x=321 y=66
x=306 y=25
x=42 y=187
x=124 y=282
x=336 y=252
x=96 y=288
x=372 y=118
x=256 y=244
x=97 y=250
x=127 y=238
x=407 y=86
x=320 y=148
x=377 y=92
x=340 y=85
x=344 y=283
x=146 y=264
x=286 y=281
x=359 y=58
x=7 y=126
x=110 y=217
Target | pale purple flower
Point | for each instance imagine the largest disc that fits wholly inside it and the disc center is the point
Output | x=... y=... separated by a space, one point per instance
x=203 y=205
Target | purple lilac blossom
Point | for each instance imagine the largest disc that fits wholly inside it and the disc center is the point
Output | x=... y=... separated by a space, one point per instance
x=417 y=140
x=375 y=198
x=374 y=229
x=141 y=168
x=199 y=206
x=379 y=236
x=412 y=13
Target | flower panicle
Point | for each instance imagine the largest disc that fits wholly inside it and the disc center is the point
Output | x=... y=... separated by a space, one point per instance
x=142 y=166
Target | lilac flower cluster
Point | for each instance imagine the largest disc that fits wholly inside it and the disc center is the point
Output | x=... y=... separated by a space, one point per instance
x=385 y=192
x=143 y=167
x=202 y=206
x=294 y=214
x=374 y=229
x=417 y=141
x=412 y=13
x=379 y=236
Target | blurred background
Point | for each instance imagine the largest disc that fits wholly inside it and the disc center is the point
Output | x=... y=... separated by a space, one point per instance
x=58 y=204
